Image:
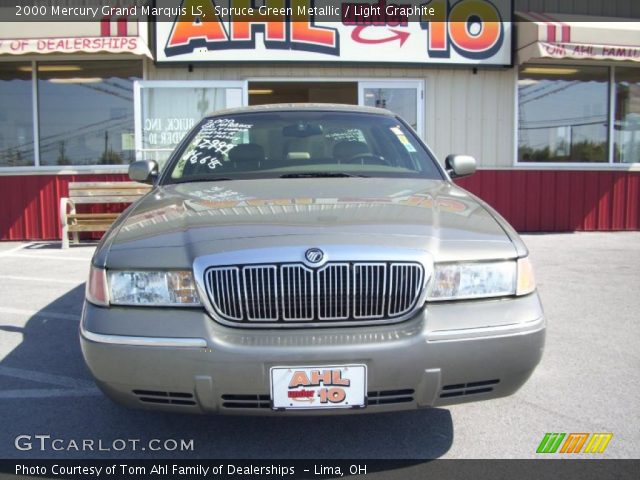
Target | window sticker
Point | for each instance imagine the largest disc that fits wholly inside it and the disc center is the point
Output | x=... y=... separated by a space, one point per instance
x=223 y=128
x=214 y=141
x=403 y=139
x=197 y=156
x=350 y=135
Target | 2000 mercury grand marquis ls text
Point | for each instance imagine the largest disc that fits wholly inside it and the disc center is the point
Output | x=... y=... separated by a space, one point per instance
x=309 y=259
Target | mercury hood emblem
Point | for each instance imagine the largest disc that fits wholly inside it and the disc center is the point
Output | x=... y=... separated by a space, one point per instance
x=314 y=255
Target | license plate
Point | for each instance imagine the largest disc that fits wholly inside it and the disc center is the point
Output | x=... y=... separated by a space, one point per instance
x=334 y=386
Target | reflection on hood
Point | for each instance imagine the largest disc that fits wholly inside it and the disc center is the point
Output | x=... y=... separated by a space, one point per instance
x=258 y=207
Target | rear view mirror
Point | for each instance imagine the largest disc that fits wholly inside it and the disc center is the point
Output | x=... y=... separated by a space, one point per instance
x=460 y=165
x=144 y=171
x=301 y=130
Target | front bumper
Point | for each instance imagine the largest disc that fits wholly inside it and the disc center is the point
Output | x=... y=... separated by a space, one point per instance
x=180 y=359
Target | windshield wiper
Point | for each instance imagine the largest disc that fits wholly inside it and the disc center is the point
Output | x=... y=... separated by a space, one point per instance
x=201 y=178
x=321 y=175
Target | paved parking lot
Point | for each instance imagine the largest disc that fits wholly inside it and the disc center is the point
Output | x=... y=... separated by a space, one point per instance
x=587 y=382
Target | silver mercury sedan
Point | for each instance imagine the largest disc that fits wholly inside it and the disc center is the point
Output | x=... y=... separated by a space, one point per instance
x=309 y=259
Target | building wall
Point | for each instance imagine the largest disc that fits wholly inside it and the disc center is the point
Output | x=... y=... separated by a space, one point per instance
x=472 y=114
x=561 y=200
x=465 y=112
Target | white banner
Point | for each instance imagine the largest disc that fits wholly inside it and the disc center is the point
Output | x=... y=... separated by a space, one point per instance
x=469 y=32
x=22 y=46
x=588 y=52
x=110 y=34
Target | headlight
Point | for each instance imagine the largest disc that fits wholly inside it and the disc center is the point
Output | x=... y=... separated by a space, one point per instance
x=171 y=288
x=457 y=281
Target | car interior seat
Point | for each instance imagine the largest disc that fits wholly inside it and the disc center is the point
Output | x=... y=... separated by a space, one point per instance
x=247 y=157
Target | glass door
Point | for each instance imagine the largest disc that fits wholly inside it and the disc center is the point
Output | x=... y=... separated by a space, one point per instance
x=166 y=110
x=402 y=97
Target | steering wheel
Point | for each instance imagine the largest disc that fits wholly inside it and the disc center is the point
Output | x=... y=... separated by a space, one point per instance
x=362 y=156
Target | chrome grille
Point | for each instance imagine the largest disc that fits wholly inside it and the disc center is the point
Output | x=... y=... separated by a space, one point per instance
x=370 y=281
x=222 y=284
x=297 y=292
x=260 y=293
x=333 y=292
x=292 y=292
x=404 y=285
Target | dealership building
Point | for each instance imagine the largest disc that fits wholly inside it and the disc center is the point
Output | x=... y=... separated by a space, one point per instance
x=548 y=101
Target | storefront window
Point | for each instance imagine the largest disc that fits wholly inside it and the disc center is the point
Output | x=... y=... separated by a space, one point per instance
x=16 y=115
x=627 y=116
x=563 y=114
x=86 y=112
x=168 y=113
x=402 y=101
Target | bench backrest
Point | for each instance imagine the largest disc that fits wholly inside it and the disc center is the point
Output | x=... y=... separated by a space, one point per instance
x=106 y=192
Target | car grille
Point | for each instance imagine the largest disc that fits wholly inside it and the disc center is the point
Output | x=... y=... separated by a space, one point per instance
x=168 y=398
x=471 y=388
x=246 y=401
x=336 y=292
x=386 y=397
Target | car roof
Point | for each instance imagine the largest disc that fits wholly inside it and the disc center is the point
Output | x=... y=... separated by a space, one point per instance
x=292 y=107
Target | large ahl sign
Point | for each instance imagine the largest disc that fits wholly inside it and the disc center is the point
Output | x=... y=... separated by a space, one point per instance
x=471 y=32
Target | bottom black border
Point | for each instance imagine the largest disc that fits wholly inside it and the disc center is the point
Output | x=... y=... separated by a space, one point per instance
x=561 y=469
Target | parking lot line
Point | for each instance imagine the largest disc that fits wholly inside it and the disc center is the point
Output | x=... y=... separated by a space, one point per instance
x=33 y=376
x=48 y=393
x=12 y=250
x=45 y=257
x=40 y=279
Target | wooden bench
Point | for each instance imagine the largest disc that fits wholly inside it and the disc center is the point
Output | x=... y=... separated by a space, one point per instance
x=90 y=193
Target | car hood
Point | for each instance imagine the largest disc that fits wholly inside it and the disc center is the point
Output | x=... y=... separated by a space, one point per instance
x=174 y=224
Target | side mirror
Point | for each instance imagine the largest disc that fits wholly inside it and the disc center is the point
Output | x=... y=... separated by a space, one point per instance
x=460 y=165
x=144 y=171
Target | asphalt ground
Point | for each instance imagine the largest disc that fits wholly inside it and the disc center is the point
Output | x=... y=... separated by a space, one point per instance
x=587 y=381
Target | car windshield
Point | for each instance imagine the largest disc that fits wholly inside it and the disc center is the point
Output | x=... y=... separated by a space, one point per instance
x=295 y=144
